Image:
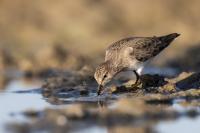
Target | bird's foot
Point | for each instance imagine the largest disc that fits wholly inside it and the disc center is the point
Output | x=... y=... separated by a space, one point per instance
x=136 y=84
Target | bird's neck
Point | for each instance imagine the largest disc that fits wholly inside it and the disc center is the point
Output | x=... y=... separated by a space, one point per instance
x=114 y=68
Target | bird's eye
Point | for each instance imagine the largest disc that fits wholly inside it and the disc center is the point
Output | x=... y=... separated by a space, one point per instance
x=104 y=76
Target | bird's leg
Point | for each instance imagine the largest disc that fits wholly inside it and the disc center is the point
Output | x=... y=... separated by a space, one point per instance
x=137 y=78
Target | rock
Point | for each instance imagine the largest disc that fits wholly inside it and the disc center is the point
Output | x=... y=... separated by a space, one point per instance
x=191 y=81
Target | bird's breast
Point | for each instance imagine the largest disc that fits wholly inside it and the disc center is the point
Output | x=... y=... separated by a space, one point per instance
x=135 y=65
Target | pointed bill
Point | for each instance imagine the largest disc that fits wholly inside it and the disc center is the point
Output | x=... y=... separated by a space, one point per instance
x=100 y=88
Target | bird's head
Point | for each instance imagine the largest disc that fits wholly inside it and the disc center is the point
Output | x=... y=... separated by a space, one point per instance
x=104 y=73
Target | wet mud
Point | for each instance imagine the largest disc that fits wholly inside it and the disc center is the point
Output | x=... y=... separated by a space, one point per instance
x=119 y=108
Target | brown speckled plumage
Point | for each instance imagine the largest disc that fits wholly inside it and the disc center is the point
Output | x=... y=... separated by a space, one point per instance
x=143 y=47
x=130 y=54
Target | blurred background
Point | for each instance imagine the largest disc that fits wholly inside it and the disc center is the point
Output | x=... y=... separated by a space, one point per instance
x=39 y=37
x=86 y=27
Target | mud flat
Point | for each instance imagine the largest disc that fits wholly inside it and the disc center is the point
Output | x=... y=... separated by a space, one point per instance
x=119 y=109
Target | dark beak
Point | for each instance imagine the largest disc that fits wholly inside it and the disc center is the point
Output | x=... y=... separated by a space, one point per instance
x=100 y=89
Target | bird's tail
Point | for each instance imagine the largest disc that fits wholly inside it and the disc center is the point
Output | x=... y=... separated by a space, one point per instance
x=168 y=38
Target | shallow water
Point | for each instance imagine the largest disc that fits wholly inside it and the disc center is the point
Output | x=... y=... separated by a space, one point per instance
x=183 y=125
x=13 y=104
x=16 y=102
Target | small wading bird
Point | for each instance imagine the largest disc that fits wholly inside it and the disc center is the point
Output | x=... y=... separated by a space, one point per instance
x=130 y=54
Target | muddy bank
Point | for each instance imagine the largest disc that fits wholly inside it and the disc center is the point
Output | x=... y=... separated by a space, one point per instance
x=83 y=83
x=42 y=64
x=124 y=107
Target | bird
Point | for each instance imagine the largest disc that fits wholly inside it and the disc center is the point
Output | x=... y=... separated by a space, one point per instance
x=130 y=54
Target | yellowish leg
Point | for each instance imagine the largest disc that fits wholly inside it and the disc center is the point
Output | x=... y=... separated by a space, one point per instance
x=138 y=81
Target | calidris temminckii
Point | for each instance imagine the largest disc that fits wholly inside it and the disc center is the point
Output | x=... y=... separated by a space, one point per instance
x=130 y=54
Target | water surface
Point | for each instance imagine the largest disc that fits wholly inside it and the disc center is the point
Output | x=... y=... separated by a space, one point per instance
x=14 y=103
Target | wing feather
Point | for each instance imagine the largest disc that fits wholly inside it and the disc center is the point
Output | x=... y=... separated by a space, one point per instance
x=147 y=48
x=118 y=47
x=143 y=48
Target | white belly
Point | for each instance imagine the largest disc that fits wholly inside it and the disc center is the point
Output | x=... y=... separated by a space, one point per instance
x=138 y=66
